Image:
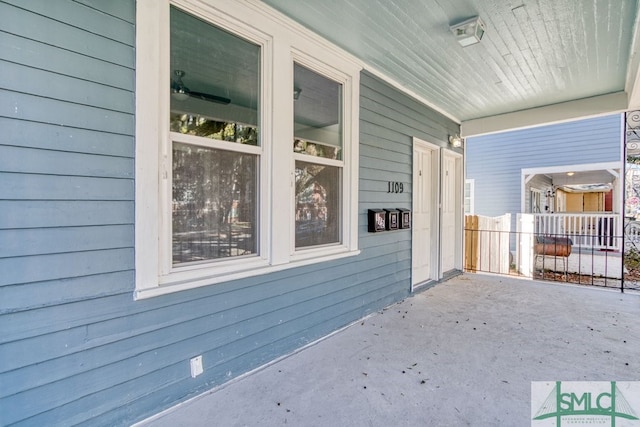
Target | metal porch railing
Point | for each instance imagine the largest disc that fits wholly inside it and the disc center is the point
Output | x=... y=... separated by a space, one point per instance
x=493 y=248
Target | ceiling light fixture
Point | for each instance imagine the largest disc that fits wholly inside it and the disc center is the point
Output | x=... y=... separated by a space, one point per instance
x=468 y=32
x=570 y=173
x=179 y=91
x=456 y=140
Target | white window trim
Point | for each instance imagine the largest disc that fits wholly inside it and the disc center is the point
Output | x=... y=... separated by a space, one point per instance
x=472 y=184
x=347 y=196
x=282 y=42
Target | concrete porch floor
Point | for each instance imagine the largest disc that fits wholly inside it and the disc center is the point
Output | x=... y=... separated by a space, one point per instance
x=461 y=353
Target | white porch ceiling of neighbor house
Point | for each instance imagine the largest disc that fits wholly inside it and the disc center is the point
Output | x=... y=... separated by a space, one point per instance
x=583 y=174
x=540 y=61
x=583 y=178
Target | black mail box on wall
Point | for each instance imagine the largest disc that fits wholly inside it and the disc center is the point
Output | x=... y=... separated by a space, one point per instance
x=392 y=219
x=377 y=220
x=405 y=217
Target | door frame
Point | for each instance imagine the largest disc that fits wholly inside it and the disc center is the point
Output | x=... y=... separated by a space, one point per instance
x=458 y=207
x=422 y=145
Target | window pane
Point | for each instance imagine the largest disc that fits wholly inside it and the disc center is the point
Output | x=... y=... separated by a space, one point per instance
x=318 y=207
x=215 y=81
x=317 y=114
x=223 y=131
x=214 y=204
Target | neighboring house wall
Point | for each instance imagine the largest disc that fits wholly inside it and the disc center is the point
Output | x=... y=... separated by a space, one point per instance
x=495 y=161
x=74 y=345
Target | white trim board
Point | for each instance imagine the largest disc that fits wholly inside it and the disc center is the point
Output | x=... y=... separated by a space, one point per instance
x=572 y=168
x=420 y=144
x=551 y=114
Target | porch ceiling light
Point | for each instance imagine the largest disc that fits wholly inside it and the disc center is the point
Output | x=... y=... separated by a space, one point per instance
x=456 y=140
x=570 y=173
x=468 y=32
x=179 y=91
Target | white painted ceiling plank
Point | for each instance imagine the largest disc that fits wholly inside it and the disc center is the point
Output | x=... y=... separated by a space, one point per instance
x=535 y=53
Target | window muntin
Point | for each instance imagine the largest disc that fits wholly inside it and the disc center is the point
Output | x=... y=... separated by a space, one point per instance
x=215 y=91
x=318 y=166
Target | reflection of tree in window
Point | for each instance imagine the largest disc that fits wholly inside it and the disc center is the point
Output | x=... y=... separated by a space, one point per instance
x=213 y=192
x=215 y=171
x=317 y=204
x=213 y=203
x=316 y=149
x=210 y=128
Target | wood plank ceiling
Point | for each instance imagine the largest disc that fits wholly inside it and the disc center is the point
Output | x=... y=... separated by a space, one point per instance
x=534 y=54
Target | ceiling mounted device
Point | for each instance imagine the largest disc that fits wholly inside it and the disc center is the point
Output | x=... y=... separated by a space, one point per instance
x=468 y=32
x=180 y=92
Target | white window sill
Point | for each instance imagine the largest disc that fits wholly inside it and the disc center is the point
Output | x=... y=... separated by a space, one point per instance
x=184 y=280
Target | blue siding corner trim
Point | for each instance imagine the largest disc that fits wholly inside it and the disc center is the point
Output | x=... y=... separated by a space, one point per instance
x=75 y=348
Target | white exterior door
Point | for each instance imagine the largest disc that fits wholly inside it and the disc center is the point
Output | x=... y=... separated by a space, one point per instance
x=451 y=179
x=425 y=213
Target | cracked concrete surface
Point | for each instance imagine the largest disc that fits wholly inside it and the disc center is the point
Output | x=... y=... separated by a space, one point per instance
x=461 y=353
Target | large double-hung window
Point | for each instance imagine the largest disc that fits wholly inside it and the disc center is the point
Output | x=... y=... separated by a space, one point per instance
x=246 y=145
x=317 y=150
x=215 y=140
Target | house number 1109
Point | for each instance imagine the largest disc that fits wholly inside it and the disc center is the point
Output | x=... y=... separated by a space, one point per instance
x=395 y=187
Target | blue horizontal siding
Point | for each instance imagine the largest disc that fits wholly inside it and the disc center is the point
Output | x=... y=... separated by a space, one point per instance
x=17 y=186
x=38 y=161
x=54 y=292
x=64 y=213
x=41 y=241
x=41 y=56
x=22 y=133
x=373 y=152
x=61 y=34
x=90 y=20
x=61 y=266
x=121 y=9
x=45 y=110
x=28 y=80
x=66 y=203
x=75 y=348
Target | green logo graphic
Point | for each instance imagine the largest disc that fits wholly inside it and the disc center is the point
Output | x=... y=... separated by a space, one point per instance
x=610 y=403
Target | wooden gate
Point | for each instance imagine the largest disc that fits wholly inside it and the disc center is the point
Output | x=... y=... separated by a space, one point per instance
x=487 y=243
